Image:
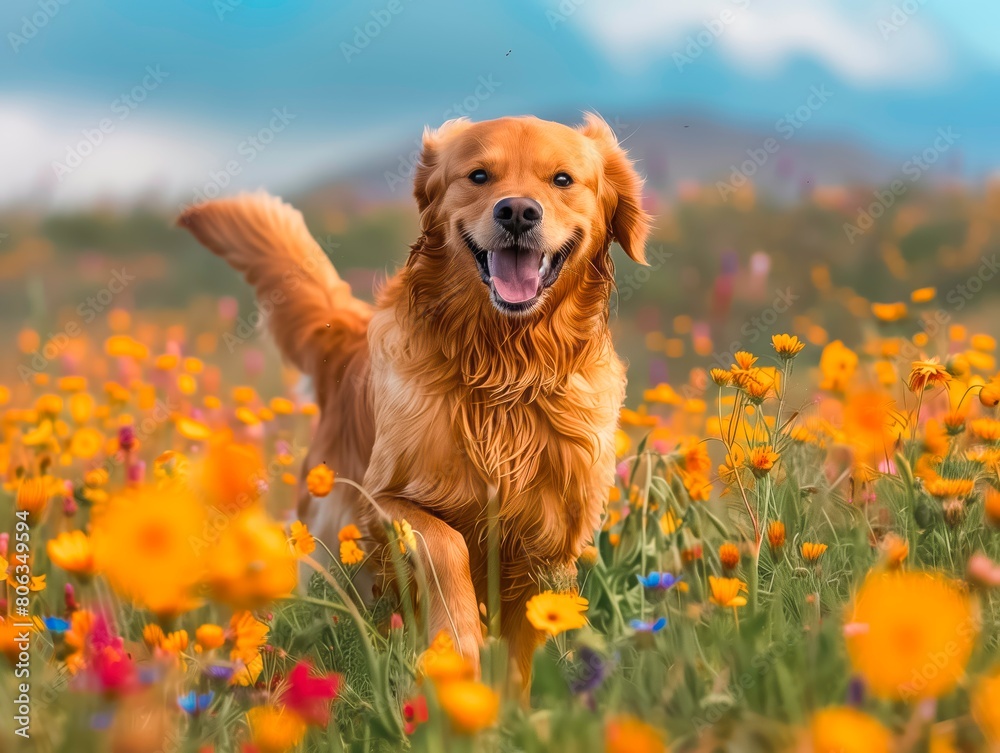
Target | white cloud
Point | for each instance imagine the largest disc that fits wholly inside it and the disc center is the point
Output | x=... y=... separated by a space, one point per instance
x=147 y=154
x=762 y=35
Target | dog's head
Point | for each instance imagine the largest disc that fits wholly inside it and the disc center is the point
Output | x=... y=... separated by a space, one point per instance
x=523 y=204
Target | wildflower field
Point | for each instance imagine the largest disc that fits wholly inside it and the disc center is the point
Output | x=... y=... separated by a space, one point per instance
x=801 y=553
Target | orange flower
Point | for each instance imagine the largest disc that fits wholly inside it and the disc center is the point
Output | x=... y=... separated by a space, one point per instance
x=320 y=480
x=210 y=636
x=989 y=395
x=729 y=555
x=896 y=550
x=626 y=734
x=991 y=506
x=776 y=535
x=33 y=497
x=302 y=540
x=350 y=532
x=470 y=705
x=838 y=363
x=787 y=346
x=946 y=488
x=812 y=552
x=927 y=374
x=726 y=591
x=350 y=552
x=986 y=429
x=73 y=552
x=762 y=460
x=889 y=312
x=721 y=377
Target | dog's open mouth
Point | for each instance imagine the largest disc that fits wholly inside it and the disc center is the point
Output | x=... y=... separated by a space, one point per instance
x=518 y=274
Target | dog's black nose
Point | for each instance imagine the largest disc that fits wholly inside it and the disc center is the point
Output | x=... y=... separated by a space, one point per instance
x=517 y=214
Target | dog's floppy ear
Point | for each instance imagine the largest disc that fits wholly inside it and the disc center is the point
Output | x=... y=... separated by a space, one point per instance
x=621 y=189
x=427 y=178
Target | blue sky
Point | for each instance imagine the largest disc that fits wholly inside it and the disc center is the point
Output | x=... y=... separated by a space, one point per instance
x=356 y=78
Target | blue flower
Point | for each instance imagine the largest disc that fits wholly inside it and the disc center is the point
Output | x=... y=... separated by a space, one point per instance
x=648 y=627
x=194 y=703
x=56 y=624
x=662 y=581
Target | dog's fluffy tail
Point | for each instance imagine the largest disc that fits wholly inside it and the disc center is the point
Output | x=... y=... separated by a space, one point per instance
x=311 y=311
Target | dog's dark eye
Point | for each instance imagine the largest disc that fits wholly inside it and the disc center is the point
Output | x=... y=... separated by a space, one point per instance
x=478 y=177
x=562 y=180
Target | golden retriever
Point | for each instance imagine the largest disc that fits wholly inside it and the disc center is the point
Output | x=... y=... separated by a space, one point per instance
x=485 y=369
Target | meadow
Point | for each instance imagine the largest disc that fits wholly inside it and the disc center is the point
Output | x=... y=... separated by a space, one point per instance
x=801 y=552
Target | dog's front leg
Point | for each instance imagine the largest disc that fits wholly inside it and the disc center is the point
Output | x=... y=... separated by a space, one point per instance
x=452 y=598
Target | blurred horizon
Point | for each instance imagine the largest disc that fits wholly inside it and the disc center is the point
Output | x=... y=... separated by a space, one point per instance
x=114 y=102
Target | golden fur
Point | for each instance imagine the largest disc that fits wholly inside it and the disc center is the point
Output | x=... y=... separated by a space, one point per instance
x=436 y=396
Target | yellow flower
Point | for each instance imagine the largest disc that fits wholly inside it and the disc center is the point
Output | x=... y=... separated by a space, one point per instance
x=744 y=361
x=923 y=295
x=86 y=443
x=846 y=730
x=143 y=543
x=787 y=346
x=37 y=583
x=249 y=634
x=626 y=734
x=916 y=633
x=927 y=374
x=470 y=705
x=350 y=552
x=622 y=443
x=721 y=377
x=73 y=552
x=302 y=540
x=209 y=636
x=404 y=532
x=191 y=429
x=320 y=480
x=762 y=460
x=812 y=552
x=662 y=393
x=726 y=591
x=986 y=705
x=983 y=343
x=555 y=613
x=669 y=523
x=837 y=363
x=274 y=730
x=248 y=671
x=246 y=416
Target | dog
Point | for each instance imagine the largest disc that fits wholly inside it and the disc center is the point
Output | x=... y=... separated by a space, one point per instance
x=484 y=374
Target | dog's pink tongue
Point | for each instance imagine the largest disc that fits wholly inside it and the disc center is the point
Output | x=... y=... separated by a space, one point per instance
x=515 y=274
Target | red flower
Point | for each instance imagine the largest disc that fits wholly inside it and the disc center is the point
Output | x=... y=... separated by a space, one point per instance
x=310 y=696
x=414 y=713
